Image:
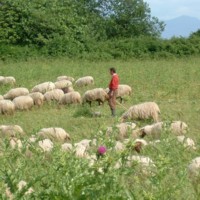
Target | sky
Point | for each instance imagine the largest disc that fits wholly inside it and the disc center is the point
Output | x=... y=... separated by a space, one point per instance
x=169 y=9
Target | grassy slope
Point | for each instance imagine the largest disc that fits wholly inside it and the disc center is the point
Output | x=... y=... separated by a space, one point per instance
x=174 y=85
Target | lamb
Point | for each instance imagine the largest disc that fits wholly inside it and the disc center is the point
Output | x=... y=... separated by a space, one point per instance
x=62 y=84
x=54 y=133
x=7 y=80
x=6 y=107
x=46 y=145
x=71 y=98
x=16 y=92
x=194 y=170
x=23 y=102
x=123 y=90
x=11 y=131
x=187 y=142
x=97 y=94
x=43 y=87
x=55 y=94
x=84 y=81
x=142 y=111
x=179 y=127
x=68 y=78
x=38 y=98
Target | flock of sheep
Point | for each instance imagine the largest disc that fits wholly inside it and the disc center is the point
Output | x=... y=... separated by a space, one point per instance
x=62 y=91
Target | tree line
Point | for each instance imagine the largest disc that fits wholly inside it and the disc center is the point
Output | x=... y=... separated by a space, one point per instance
x=82 y=28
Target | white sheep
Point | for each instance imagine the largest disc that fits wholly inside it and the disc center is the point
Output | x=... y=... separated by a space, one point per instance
x=124 y=128
x=119 y=146
x=1 y=97
x=194 y=170
x=14 y=142
x=84 y=81
x=80 y=151
x=7 y=80
x=7 y=107
x=23 y=102
x=71 y=98
x=16 y=92
x=38 y=98
x=66 y=147
x=179 y=127
x=43 y=87
x=142 y=111
x=46 y=145
x=11 y=131
x=187 y=142
x=97 y=94
x=68 y=78
x=55 y=94
x=54 y=133
x=62 y=84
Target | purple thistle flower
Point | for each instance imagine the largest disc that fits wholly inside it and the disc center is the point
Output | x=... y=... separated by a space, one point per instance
x=101 y=150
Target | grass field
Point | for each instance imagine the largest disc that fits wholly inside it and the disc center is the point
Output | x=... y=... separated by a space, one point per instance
x=173 y=84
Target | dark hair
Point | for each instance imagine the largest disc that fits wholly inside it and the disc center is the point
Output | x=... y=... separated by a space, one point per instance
x=112 y=69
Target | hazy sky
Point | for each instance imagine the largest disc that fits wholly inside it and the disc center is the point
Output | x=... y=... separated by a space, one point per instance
x=168 y=9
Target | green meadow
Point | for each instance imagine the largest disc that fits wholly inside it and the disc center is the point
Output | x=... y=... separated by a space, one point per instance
x=173 y=84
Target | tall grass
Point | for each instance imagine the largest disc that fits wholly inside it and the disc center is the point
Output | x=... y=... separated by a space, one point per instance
x=174 y=85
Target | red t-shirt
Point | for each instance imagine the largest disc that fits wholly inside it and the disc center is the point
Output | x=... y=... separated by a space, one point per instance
x=114 y=83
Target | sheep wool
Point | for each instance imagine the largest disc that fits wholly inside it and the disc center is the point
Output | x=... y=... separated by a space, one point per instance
x=23 y=102
x=143 y=111
x=11 y=131
x=194 y=170
x=55 y=94
x=68 y=78
x=84 y=81
x=1 y=97
x=7 y=80
x=43 y=87
x=62 y=84
x=16 y=92
x=38 y=98
x=66 y=147
x=97 y=94
x=54 y=133
x=179 y=127
x=71 y=98
x=46 y=145
x=187 y=142
x=6 y=107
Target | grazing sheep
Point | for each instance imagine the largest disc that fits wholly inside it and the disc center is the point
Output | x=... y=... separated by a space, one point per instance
x=55 y=94
x=68 y=89
x=87 y=143
x=84 y=81
x=153 y=130
x=124 y=128
x=23 y=102
x=66 y=147
x=97 y=94
x=53 y=133
x=43 y=87
x=38 y=98
x=62 y=84
x=142 y=111
x=16 y=92
x=46 y=145
x=6 y=107
x=123 y=90
x=194 y=170
x=179 y=128
x=1 y=97
x=11 y=131
x=7 y=80
x=71 y=98
x=187 y=142
x=119 y=146
x=68 y=78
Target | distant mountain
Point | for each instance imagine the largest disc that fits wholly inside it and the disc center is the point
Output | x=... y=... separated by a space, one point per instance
x=180 y=26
